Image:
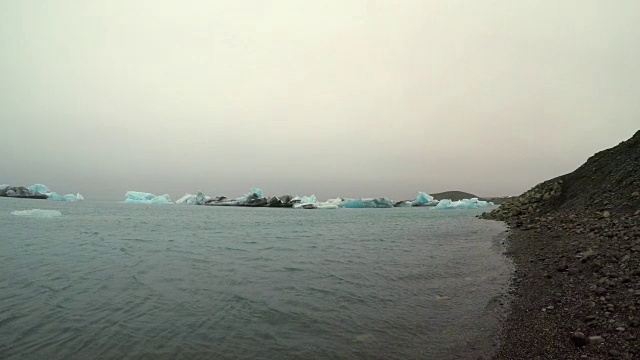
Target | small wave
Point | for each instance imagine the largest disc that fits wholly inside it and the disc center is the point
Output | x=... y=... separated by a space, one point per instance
x=288 y=268
x=234 y=249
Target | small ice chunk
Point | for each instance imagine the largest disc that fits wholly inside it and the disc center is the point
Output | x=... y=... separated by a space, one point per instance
x=79 y=196
x=37 y=213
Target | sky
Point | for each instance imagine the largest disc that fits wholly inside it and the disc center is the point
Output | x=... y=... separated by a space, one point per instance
x=352 y=98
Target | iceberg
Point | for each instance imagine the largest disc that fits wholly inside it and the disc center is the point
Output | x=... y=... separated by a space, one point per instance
x=282 y=201
x=189 y=199
x=254 y=197
x=4 y=186
x=254 y=193
x=305 y=202
x=39 y=189
x=37 y=213
x=136 y=197
x=423 y=199
x=69 y=197
x=367 y=203
x=402 y=204
x=473 y=203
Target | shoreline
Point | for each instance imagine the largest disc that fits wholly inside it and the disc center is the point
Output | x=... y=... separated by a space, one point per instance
x=575 y=290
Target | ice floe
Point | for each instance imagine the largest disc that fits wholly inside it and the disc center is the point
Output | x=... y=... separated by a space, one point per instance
x=37 y=213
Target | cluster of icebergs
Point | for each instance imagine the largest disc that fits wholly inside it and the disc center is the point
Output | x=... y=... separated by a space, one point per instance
x=36 y=191
x=255 y=198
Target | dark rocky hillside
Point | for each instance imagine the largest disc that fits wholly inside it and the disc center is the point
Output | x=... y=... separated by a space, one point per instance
x=608 y=181
x=575 y=242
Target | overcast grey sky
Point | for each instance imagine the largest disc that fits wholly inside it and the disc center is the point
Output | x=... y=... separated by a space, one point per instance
x=332 y=97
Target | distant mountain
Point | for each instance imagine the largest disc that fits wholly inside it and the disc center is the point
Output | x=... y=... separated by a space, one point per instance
x=453 y=195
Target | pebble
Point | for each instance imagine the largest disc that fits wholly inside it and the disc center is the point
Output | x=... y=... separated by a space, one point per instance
x=579 y=338
x=620 y=328
x=562 y=267
x=596 y=339
x=614 y=353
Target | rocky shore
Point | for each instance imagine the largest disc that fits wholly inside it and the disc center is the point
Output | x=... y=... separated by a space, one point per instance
x=575 y=243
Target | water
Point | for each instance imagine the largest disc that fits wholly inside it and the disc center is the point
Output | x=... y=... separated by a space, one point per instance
x=116 y=280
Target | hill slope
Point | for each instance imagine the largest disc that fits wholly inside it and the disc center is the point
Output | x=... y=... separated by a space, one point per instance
x=609 y=180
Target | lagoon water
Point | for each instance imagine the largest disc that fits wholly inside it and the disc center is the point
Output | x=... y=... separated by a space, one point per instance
x=113 y=280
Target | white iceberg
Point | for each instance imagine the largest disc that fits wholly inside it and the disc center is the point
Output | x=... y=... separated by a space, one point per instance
x=4 y=186
x=189 y=199
x=37 y=213
x=305 y=202
x=137 y=197
x=473 y=203
x=326 y=206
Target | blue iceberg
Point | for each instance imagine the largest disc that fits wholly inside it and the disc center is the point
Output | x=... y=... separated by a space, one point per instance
x=136 y=197
x=423 y=199
x=472 y=203
x=44 y=190
x=254 y=193
x=367 y=203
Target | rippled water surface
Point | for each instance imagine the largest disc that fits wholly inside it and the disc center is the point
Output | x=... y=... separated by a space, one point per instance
x=116 y=280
